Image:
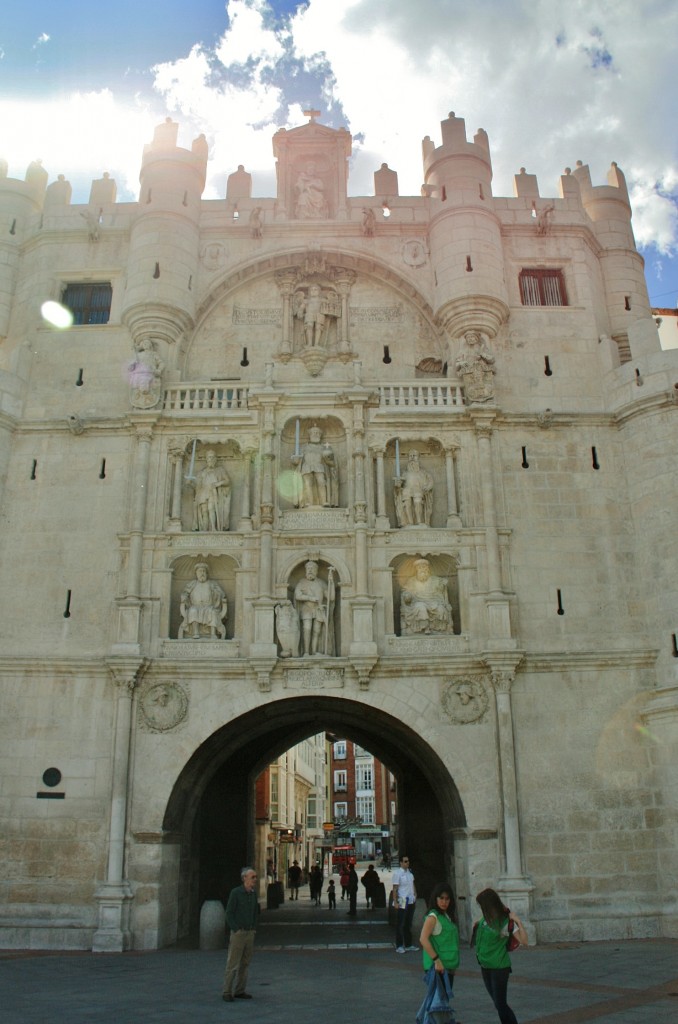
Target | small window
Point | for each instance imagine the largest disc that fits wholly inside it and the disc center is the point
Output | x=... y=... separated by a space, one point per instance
x=340 y=810
x=340 y=781
x=542 y=288
x=89 y=303
x=340 y=750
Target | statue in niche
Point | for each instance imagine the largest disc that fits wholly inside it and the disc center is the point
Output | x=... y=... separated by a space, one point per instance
x=256 y=223
x=369 y=222
x=314 y=602
x=475 y=366
x=413 y=494
x=310 y=188
x=424 y=605
x=288 y=629
x=203 y=606
x=145 y=375
x=317 y=467
x=212 y=501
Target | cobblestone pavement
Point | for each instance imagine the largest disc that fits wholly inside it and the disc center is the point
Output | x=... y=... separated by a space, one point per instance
x=315 y=966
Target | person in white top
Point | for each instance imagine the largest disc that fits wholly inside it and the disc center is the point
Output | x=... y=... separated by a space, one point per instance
x=404 y=899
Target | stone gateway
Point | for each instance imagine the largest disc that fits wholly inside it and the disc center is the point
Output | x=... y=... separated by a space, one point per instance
x=201 y=480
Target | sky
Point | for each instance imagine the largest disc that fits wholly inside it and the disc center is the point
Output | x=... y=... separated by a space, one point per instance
x=82 y=87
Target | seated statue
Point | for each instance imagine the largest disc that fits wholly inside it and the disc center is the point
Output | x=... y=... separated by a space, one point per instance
x=203 y=606
x=424 y=605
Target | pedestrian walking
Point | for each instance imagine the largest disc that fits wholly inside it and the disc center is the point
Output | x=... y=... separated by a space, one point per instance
x=315 y=882
x=343 y=880
x=242 y=911
x=331 y=895
x=492 y=934
x=371 y=881
x=404 y=897
x=294 y=879
x=352 y=889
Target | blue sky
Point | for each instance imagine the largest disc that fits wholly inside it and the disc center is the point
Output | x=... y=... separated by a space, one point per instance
x=82 y=87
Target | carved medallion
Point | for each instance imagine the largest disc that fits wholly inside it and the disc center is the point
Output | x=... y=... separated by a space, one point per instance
x=465 y=700
x=163 y=707
x=414 y=253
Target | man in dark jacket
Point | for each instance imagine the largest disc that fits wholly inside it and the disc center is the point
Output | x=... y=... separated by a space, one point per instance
x=242 y=911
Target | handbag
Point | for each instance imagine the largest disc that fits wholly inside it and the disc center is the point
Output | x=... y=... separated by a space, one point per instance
x=512 y=942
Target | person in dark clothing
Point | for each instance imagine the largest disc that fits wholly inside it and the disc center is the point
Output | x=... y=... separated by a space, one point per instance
x=316 y=884
x=331 y=895
x=371 y=882
x=294 y=878
x=242 y=911
x=352 y=891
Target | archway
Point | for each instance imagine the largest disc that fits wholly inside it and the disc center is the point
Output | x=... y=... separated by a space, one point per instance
x=212 y=802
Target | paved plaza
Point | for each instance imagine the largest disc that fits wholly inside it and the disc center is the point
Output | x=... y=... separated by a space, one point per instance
x=315 y=966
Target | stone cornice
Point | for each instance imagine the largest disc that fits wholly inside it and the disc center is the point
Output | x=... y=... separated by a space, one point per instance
x=588 y=661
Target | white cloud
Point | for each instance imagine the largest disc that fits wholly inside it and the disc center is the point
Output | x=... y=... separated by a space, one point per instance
x=551 y=83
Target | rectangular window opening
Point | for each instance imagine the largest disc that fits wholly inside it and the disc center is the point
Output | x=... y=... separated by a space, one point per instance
x=89 y=303
x=542 y=288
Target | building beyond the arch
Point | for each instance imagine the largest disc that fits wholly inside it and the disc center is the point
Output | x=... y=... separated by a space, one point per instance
x=403 y=465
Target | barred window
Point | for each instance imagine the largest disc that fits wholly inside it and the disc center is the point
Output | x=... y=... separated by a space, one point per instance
x=89 y=303
x=542 y=288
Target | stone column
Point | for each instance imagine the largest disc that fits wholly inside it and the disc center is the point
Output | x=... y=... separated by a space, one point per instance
x=176 y=453
x=263 y=651
x=142 y=458
x=513 y=884
x=363 y=650
x=246 y=507
x=285 y=282
x=344 y=282
x=483 y=428
x=114 y=896
x=453 y=517
x=382 y=522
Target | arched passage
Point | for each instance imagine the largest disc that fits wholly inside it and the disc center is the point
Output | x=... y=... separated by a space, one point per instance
x=212 y=803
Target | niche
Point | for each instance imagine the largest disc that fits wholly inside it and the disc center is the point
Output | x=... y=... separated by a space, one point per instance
x=425 y=595
x=219 y=570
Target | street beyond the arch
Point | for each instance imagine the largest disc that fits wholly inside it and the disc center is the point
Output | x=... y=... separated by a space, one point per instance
x=313 y=965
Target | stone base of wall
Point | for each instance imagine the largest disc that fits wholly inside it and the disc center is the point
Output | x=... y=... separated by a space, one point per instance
x=593 y=929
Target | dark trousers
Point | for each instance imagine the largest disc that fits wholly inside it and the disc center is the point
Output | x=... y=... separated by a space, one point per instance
x=496 y=983
x=352 y=902
x=404 y=925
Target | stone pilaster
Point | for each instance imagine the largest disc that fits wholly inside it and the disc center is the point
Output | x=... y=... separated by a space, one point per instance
x=114 y=895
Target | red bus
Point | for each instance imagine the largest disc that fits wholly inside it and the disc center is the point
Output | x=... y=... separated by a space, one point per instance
x=343 y=855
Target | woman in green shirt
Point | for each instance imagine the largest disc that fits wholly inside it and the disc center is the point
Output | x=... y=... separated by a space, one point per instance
x=439 y=935
x=491 y=938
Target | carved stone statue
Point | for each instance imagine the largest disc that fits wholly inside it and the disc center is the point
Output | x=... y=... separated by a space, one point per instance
x=309 y=187
x=145 y=376
x=203 y=606
x=475 y=366
x=369 y=222
x=212 y=501
x=413 y=494
x=424 y=605
x=256 y=223
x=314 y=602
x=317 y=466
x=288 y=629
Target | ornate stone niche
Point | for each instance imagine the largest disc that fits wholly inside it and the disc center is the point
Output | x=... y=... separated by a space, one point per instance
x=211 y=486
x=425 y=596
x=312 y=485
x=312 y=171
x=315 y=313
x=209 y=617
x=415 y=483
x=308 y=622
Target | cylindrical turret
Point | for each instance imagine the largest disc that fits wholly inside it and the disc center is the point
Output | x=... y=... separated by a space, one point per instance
x=164 y=239
x=19 y=200
x=465 y=233
x=622 y=265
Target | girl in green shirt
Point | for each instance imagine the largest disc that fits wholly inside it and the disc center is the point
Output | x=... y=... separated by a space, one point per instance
x=439 y=935
x=491 y=937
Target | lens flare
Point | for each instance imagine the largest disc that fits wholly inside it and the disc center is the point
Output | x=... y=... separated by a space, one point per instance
x=288 y=485
x=56 y=315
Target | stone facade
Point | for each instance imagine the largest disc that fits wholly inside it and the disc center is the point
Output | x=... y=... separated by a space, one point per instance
x=226 y=545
